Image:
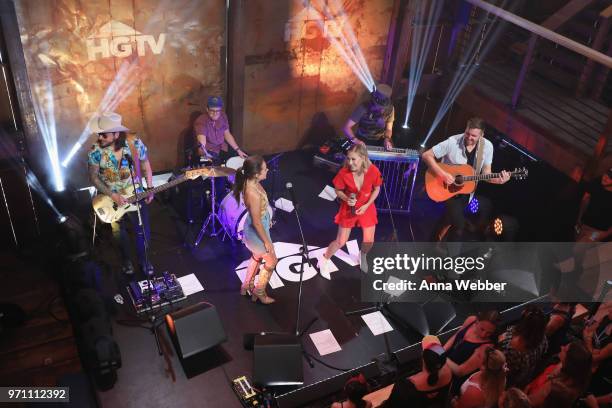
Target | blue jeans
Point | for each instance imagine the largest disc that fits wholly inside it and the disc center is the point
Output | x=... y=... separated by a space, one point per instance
x=120 y=233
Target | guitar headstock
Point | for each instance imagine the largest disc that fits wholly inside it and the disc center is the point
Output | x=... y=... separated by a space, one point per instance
x=193 y=174
x=520 y=173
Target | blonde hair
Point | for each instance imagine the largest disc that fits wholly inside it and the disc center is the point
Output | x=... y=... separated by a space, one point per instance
x=362 y=151
x=493 y=376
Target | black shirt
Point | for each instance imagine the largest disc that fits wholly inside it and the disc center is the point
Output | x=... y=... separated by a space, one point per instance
x=598 y=213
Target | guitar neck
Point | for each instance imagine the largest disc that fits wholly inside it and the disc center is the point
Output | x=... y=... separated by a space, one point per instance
x=488 y=176
x=160 y=188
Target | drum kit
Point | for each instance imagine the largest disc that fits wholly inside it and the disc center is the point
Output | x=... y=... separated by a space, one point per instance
x=230 y=214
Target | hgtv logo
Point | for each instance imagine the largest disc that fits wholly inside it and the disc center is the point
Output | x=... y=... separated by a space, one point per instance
x=120 y=40
x=290 y=258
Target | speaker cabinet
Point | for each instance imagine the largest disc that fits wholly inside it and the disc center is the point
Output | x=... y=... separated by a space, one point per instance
x=195 y=328
x=277 y=360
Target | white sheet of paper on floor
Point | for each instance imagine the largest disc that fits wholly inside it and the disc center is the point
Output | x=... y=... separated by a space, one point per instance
x=328 y=193
x=394 y=292
x=377 y=323
x=284 y=204
x=325 y=342
x=190 y=284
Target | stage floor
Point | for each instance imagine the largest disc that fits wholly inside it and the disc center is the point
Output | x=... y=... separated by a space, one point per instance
x=143 y=379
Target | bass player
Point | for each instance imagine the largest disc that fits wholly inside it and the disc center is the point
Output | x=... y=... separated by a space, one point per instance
x=469 y=148
x=109 y=162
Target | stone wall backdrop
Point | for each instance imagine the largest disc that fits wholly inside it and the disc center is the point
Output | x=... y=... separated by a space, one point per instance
x=153 y=61
x=297 y=88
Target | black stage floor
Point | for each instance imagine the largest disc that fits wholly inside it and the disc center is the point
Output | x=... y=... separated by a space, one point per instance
x=143 y=380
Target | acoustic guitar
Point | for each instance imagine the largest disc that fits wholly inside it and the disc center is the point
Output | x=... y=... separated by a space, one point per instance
x=109 y=211
x=465 y=180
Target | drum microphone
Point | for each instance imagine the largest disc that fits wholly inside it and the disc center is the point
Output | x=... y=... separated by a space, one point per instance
x=352 y=196
x=289 y=187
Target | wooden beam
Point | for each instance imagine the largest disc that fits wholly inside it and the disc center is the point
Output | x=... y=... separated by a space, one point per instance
x=565 y=13
x=236 y=63
x=598 y=43
x=544 y=32
x=403 y=46
x=602 y=77
x=606 y=13
x=524 y=70
x=392 y=35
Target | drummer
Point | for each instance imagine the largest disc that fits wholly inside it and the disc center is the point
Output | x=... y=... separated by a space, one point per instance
x=212 y=133
x=213 y=139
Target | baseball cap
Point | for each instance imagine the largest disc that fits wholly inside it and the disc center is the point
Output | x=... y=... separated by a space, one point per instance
x=215 y=102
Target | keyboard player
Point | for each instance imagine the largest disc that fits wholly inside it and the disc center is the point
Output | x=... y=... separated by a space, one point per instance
x=371 y=123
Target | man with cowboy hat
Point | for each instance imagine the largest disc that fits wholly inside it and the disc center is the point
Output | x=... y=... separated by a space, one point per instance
x=110 y=163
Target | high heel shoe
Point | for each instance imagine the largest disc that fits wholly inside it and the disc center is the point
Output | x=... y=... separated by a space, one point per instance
x=248 y=289
x=262 y=296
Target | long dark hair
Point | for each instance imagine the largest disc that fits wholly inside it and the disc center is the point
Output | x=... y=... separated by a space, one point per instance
x=532 y=326
x=577 y=366
x=433 y=364
x=355 y=390
x=120 y=142
x=250 y=168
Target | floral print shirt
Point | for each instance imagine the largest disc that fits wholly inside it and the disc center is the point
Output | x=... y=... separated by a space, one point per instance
x=114 y=174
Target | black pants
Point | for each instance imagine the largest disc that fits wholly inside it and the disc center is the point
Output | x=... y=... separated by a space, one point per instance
x=455 y=215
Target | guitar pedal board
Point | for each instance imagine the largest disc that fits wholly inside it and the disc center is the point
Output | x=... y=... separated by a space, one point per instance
x=156 y=293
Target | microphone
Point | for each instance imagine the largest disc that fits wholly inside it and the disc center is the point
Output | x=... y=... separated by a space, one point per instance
x=129 y=159
x=289 y=187
x=352 y=196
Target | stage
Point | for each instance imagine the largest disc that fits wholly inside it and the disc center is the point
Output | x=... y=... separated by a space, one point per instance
x=143 y=379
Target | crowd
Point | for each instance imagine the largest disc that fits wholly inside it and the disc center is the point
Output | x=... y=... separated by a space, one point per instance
x=544 y=360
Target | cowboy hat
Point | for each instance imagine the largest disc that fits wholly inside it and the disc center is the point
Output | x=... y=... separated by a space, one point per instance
x=107 y=122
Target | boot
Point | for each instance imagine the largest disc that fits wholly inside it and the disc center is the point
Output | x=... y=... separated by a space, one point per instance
x=248 y=285
x=260 y=290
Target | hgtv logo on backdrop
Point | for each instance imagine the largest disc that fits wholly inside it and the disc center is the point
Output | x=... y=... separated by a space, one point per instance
x=120 y=40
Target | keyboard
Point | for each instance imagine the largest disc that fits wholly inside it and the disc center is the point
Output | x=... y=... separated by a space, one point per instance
x=395 y=154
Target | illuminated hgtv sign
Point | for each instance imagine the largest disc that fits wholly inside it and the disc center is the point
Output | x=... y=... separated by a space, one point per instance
x=120 y=40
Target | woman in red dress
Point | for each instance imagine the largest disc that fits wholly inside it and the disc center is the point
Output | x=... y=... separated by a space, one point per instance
x=357 y=185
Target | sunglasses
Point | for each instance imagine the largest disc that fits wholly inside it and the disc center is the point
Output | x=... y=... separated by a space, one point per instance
x=214 y=111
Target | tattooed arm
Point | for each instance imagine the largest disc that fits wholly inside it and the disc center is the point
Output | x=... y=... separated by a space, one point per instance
x=94 y=177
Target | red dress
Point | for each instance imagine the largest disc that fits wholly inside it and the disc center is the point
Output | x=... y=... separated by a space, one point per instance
x=345 y=182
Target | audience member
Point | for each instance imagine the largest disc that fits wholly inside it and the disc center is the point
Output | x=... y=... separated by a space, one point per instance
x=524 y=346
x=513 y=398
x=558 y=326
x=430 y=386
x=355 y=389
x=573 y=372
x=484 y=388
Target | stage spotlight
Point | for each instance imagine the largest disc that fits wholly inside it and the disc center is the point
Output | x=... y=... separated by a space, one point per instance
x=61 y=219
x=405 y=126
x=504 y=228
x=474 y=205
x=498 y=226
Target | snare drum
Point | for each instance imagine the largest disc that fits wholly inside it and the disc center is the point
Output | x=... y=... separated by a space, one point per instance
x=233 y=215
x=235 y=163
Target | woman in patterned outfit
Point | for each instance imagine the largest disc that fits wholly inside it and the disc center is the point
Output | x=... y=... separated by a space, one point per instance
x=524 y=346
x=256 y=227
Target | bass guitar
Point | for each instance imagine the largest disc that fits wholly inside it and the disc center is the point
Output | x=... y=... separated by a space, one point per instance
x=465 y=180
x=109 y=211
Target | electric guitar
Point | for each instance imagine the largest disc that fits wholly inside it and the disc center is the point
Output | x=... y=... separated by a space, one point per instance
x=465 y=180
x=109 y=211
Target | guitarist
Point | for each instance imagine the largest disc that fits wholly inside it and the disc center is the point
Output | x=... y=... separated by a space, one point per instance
x=109 y=171
x=470 y=148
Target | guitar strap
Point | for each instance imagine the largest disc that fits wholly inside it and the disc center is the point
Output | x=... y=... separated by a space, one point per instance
x=478 y=162
x=130 y=141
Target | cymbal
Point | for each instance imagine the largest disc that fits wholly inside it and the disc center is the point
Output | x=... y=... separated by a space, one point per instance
x=218 y=171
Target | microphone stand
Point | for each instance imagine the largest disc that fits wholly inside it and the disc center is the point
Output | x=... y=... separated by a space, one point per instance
x=305 y=260
x=152 y=318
